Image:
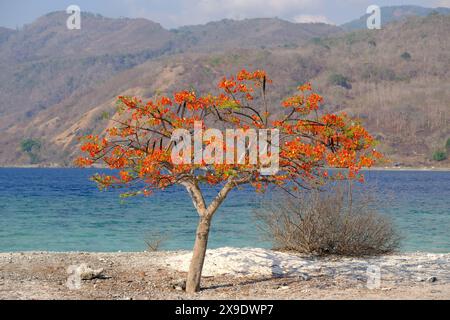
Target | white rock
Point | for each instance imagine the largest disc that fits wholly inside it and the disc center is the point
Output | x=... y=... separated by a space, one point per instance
x=87 y=273
x=264 y=262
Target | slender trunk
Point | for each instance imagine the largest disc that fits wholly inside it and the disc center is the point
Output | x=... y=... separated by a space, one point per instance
x=201 y=239
x=198 y=257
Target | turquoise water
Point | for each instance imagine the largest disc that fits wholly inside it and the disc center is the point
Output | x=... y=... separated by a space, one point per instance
x=61 y=210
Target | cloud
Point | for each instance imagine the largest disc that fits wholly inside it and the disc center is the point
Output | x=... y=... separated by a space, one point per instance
x=306 y=18
x=442 y=3
x=251 y=7
x=189 y=12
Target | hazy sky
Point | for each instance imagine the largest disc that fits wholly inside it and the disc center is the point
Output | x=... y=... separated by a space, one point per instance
x=173 y=13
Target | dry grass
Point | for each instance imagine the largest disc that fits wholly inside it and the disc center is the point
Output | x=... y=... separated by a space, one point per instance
x=155 y=240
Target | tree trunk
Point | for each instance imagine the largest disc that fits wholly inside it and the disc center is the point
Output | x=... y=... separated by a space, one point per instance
x=198 y=257
x=201 y=239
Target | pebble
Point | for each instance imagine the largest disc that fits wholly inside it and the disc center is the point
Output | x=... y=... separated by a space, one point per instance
x=305 y=291
x=179 y=285
x=304 y=277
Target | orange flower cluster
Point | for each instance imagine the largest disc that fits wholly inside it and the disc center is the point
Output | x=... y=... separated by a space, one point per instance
x=304 y=103
x=244 y=83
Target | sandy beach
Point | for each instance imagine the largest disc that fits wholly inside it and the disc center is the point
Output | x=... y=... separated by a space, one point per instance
x=229 y=273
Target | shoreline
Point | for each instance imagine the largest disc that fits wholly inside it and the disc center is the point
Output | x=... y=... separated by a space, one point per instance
x=184 y=251
x=229 y=273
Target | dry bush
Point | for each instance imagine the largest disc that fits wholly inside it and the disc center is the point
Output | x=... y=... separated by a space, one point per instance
x=155 y=240
x=330 y=222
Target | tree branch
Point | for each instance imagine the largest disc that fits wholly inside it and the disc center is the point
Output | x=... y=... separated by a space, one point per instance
x=196 y=195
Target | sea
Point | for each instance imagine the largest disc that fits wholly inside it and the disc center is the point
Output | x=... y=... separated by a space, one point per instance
x=62 y=210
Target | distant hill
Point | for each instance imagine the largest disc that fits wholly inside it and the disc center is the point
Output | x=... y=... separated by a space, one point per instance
x=57 y=85
x=45 y=63
x=252 y=33
x=48 y=37
x=395 y=13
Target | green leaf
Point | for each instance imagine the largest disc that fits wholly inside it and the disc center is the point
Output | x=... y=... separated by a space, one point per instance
x=230 y=105
x=129 y=194
x=105 y=115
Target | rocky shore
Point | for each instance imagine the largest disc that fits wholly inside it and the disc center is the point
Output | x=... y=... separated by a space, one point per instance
x=229 y=273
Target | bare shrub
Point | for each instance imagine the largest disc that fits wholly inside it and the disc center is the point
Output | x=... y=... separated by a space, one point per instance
x=155 y=240
x=330 y=222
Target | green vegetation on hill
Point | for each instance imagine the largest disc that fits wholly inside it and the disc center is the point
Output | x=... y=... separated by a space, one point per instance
x=337 y=79
x=439 y=155
x=31 y=147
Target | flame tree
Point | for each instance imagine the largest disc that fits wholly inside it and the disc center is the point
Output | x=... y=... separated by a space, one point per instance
x=139 y=146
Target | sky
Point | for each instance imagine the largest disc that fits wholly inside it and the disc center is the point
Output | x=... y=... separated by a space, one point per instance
x=175 y=13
